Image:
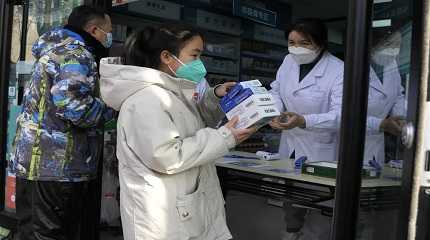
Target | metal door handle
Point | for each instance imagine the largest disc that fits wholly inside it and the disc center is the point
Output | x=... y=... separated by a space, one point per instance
x=408 y=135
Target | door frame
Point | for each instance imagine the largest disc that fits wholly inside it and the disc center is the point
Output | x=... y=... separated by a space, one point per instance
x=353 y=123
x=6 y=19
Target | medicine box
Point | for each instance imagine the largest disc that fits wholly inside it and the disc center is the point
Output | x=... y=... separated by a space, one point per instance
x=238 y=93
x=253 y=84
x=261 y=99
x=256 y=110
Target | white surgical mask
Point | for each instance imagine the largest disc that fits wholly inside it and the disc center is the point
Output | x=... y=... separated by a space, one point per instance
x=385 y=56
x=303 y=55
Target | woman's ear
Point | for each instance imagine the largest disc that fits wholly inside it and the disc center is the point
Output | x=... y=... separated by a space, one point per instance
x=166 y=58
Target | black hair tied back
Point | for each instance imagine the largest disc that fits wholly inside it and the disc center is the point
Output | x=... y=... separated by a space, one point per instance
x=143 y=48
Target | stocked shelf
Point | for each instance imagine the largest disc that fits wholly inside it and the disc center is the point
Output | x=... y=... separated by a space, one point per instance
x=215 y=79
x=266 y=81
x=259 y=65
x=234 y=50
x=261 y=56
x=222 y=73
x=221 y=66
x=208 y=54
x=255 y=71
x=261 y=59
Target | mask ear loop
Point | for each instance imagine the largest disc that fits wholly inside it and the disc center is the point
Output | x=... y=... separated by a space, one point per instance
x=103 y=31
x=174 y=73
x=179 y=61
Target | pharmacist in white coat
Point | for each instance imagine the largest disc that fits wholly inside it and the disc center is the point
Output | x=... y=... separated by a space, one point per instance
x=308 y=90
x=386 y=105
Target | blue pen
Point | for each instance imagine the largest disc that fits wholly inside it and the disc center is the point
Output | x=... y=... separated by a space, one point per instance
x=299 y=162
x=375 y=164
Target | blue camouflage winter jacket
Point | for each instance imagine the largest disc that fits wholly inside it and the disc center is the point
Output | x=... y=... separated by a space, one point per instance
x=57 y=133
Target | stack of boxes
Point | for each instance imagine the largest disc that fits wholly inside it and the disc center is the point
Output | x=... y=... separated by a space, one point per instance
x=251 y=102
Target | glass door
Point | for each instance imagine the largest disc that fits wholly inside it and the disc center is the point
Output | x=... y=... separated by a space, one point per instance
x=380 y=111
x=30 y=20
x=392 y=85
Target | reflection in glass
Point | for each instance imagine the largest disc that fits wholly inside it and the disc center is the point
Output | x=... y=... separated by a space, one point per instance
x=386 y=102
x=388 y=85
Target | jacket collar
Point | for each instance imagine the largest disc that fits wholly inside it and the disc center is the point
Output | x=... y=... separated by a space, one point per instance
x=311 y=79
x=375 y=83
x=89 y=42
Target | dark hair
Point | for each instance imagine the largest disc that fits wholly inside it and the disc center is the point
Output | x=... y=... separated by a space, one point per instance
x=143 y=48
x=81 y=16
x=312 y=28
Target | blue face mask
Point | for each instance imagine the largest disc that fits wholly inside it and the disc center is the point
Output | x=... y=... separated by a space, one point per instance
x=108 y=41
x=194 y=71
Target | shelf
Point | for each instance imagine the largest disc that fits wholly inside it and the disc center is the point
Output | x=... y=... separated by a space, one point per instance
x=264 y=42
x=208 y=54
x=257 y=71
x=222 y=73
x=261 y=56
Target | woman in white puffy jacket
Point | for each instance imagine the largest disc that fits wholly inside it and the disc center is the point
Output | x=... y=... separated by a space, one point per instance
x=169 y=186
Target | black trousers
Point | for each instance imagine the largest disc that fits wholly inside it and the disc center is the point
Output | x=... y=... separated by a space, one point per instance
x=56 y=210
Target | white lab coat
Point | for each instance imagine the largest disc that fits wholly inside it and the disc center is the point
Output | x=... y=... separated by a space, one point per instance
x=284 y=150
x=385 y=99
x=318 y=97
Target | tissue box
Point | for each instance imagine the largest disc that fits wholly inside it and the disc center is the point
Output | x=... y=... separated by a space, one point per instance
x=256 y=110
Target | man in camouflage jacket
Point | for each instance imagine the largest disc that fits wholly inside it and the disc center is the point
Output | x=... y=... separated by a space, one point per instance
x=57 y=132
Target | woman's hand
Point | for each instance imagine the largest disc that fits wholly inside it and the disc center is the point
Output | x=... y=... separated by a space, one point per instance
x=392 y=125
x=222 y=90
x=239 y=134
x=288 y=120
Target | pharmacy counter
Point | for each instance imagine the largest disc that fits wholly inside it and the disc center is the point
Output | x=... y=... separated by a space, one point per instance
x=278 y=180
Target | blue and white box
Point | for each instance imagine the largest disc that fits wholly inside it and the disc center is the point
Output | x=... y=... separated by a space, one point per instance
x=251 y=102
x=230 y=103
x=254 y=85
x=257 y=110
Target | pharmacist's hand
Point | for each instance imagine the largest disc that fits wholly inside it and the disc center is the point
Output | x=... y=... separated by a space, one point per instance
x=293 y=120
x=222 y=90
x=392 y=125
x=239 y=134
x=401 y=121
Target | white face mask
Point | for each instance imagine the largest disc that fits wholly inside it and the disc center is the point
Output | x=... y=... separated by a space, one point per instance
x=385 y=56
x=303 y=55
